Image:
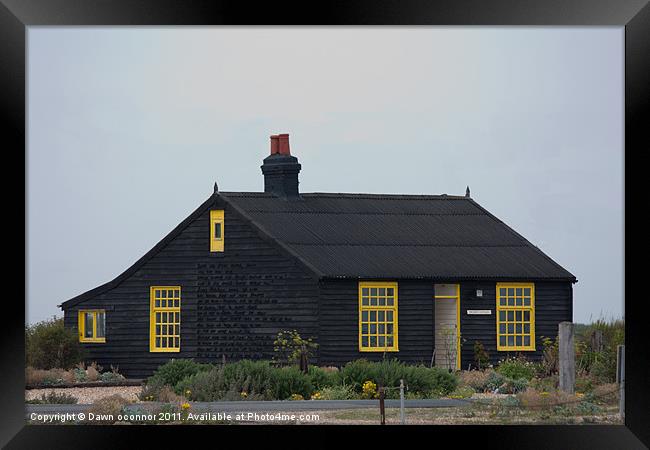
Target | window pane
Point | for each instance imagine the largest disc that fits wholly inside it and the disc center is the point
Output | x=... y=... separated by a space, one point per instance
x=527 y=328
x=389 y=316
x=365 y=292
x=158 y=331
x=382 y=301
x=526 y=301
x=364 y=328
x=373 y=341
x=502 y=328
x=373 y=301
x=518 y=328
x=157 y=293
x=217 y=230
x=511 y=328
x=157 y=303
x=511 y=340
x=389 y=341
x=88 y=325
x=518 y=292
x=502 y=292
x=364 y=316
x=502 y=301
x=502 y=341
x=373 y=316
x=177 y=342
x=502 y=316
x=373 y=328
x=157 y=342
x=101 y=324
x=380 y=316
x=518 y=301
x=527 y=292
x=511 y=292
x=518 y=340
x=177 y=330
x=511 y=301
x=389 y=328
x=364 y=341
x=526 y=316
x=382 y=342
x=381 y=328
x=365 y=301
x=518 y=316
x=390 y=292
x=390 y=301
x=526 y=341
x=382 y=292
x=511 y=316
x=373 y=292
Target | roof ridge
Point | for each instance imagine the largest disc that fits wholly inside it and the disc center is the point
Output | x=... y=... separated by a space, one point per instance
x=328 y=244
x=353 y=195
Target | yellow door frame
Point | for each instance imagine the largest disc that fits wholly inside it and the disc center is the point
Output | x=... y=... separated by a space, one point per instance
x=457 y=298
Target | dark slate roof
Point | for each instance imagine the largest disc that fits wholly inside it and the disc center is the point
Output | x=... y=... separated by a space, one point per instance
x=441 y=237
x=396 y=236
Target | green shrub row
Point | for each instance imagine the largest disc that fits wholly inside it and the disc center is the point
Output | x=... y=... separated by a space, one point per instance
x=260 y=380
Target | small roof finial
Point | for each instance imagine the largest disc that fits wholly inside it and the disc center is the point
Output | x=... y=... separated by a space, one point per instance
x=216 y=188
x=467 y=192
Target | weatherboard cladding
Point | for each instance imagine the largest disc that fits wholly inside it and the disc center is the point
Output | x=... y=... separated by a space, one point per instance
x=397 y=236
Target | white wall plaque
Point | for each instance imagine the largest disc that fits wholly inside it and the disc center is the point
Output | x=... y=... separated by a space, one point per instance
x=479 y=311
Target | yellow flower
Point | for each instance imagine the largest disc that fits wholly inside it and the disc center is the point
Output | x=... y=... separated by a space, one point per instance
x=544 y=394
x=579 y=394
x=243 y=394
x=185 y=406
x=188 y=392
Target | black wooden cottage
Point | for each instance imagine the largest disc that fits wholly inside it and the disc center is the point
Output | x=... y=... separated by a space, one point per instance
x=416 y=277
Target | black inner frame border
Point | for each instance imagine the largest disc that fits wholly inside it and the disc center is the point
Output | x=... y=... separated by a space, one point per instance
x=634 y=15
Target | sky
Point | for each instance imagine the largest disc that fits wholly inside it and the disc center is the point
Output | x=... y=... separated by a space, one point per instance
x=129 y=128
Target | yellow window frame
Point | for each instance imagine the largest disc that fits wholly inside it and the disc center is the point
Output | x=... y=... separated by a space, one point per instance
x=216 y=243
x=164 y=310
x=457 y=298
x=385 y=308
x=82 y=325
x=516 y=308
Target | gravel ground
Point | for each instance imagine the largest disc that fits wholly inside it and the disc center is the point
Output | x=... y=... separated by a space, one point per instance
x=87 y=395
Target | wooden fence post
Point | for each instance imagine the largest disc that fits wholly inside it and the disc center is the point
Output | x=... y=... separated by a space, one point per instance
x=620 y=379
x=382 y=410
x=567 y=357
x=402 y=416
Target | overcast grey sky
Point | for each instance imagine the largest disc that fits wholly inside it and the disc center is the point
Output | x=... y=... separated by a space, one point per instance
x=128 y=128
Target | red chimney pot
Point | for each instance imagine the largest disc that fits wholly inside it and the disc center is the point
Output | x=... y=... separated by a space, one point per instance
x=275 y=148
x=284 y=144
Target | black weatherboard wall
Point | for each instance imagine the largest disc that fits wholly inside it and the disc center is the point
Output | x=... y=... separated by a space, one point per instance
x=553 y=304
x=233 y=303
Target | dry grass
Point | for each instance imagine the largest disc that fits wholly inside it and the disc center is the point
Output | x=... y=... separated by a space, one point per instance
x=107 y=409
x=167 y=395
x=532 y=398
x=476 y=379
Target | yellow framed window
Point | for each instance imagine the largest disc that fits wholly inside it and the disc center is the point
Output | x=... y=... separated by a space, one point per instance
x=515 y=316
x=165 y=320
x=216 y=230
x=378 y=317
x=92 y=325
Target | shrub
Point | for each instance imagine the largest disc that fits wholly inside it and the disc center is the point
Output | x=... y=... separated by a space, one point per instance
x=481 y=356
x=54 y=398
x=476 y=379
x=287 y=381
x=48 y=345
x=550 y=383
x=204 y=386
x=110 y=377
x=532 y=398
x=423 y=379
x=511 y=386
x=494 y=381
x=550 y=361
x=356 y=372
x=462 y=392
x=107 y=409
x=516 y=368
x=172 y=372
x=584 y=384
x=92 y=372
x=296 y=397
x=49 y=377
x=342 y=392
x=369 y=390
x=321 y=378
x=291 y=348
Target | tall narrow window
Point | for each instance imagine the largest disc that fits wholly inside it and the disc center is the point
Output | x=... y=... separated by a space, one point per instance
x=165 y=320
x=216 y=230
x=378 y=317
x=92 y=325
x=515 y=316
